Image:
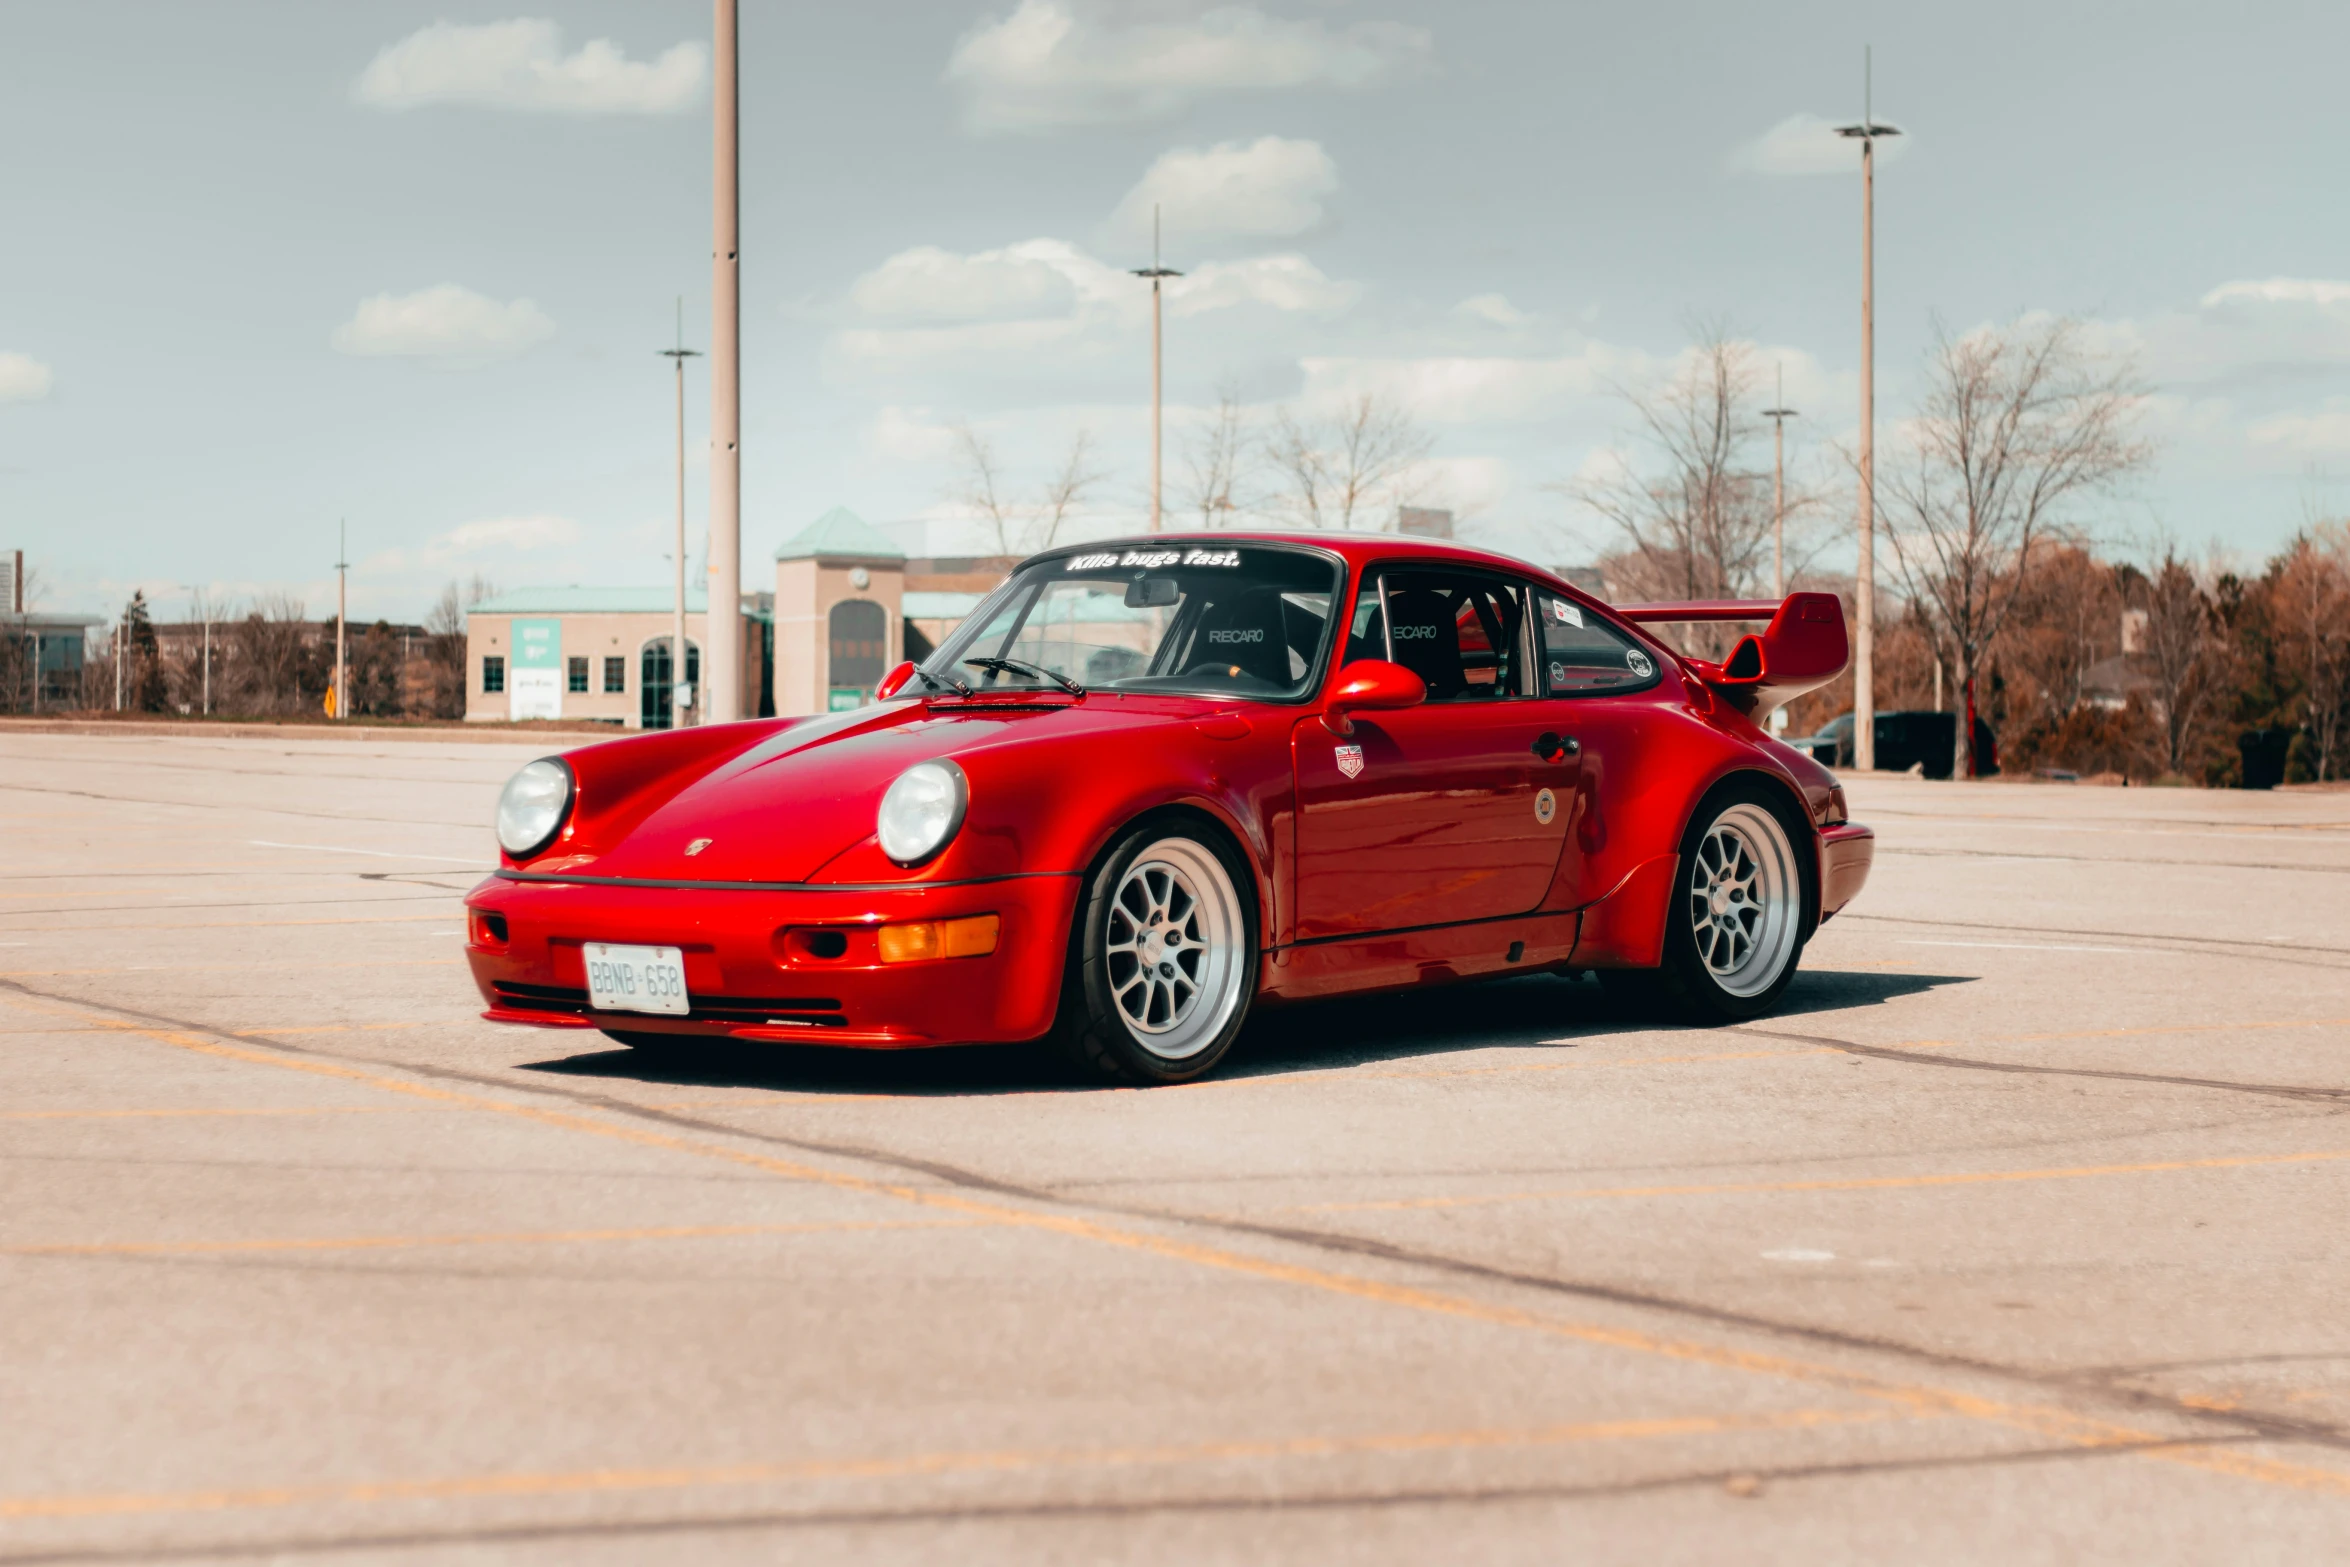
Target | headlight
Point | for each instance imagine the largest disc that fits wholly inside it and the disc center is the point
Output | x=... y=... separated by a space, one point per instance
x=922 y=810
x=533 y=807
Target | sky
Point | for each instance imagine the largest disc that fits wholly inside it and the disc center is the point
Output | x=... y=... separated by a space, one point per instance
x=272 y=269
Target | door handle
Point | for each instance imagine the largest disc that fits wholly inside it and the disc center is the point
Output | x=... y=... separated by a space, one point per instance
x=1550 y=746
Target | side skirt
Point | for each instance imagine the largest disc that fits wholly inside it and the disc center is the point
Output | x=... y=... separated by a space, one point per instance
x=1404 y=960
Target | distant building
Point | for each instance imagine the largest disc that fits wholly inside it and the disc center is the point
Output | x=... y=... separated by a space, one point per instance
x=600 y=653
x=839 y=614
x=45 y=657
x=1426 y=522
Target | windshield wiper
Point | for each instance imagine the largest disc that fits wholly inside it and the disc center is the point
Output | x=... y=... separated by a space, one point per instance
x=944 y=682
x=1021 y=665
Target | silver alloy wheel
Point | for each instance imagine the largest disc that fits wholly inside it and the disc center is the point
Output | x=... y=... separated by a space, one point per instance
x=1745 y=900
x=1172 y=949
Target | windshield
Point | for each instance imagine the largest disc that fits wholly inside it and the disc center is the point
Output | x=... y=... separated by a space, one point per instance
x=1224 y=621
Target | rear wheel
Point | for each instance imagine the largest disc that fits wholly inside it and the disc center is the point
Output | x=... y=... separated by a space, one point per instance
x=1163 y=962
x=1736 y=925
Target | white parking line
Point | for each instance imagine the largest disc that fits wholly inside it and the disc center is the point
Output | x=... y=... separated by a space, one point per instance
x=2029 y=946
x=380 y=854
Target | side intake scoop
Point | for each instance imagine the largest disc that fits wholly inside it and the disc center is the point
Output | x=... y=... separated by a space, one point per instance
x=1803 y=648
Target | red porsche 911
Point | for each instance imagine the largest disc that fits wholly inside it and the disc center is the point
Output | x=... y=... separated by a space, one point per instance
x=1149 y=785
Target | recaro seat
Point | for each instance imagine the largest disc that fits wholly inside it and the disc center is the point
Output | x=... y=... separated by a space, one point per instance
x=1244 y=634
x=1428 y=641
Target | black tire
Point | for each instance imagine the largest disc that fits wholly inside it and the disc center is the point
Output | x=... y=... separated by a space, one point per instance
x=1730 y=957
x=1170 y=1020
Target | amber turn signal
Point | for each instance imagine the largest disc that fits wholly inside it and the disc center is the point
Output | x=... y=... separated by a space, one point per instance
x=973 y=937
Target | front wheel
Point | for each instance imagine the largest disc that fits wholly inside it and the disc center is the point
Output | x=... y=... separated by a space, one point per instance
x=1737 y=923
x=1163 y=961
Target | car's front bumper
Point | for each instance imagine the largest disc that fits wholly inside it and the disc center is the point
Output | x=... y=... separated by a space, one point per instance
x=1846 y=853
x=748 y=969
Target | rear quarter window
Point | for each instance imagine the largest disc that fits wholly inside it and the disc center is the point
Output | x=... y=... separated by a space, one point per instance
x=1584 y=655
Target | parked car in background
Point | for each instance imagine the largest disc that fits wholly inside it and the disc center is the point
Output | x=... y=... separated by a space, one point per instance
x=1918 y=738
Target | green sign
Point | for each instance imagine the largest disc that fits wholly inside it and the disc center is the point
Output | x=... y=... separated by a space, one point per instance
x=538 y=644
x=844 y=699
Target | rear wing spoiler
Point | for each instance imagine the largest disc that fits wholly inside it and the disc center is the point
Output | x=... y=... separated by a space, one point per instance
x=1801 y=649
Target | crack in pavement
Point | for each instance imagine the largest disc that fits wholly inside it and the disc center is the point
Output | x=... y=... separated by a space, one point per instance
x=2251 y=1424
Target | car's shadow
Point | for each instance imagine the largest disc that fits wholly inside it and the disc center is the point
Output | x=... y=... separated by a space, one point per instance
x=1535 y=1011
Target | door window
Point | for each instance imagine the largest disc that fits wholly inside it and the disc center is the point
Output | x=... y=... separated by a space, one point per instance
x=1462 y=633
x=1582 y=654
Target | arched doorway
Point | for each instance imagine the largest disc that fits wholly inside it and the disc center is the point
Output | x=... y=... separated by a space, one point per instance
x=655 y=708
x=859 y=651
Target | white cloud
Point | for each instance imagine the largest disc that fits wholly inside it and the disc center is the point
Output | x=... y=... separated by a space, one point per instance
x=1490 y=310
x=1285 y=283
x=23 y=379
x=2279 y=291
x=1807 y=144
x=1269 y=188
x=930 y=284
x=2321 y=432
x=520 y=64
x=1056 y=63
x=447 y=323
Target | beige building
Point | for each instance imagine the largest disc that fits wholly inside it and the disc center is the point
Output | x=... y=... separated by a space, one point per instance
x=600 y=653
x=839 y=614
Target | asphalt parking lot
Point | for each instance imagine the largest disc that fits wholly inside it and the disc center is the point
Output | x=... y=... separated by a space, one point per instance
x=2016 y=1236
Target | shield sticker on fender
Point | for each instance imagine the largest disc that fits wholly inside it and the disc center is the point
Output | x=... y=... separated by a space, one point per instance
x=1350 y=760
x=1546 y=805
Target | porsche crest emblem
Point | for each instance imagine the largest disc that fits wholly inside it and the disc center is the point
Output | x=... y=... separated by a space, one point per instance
x=697 y=846
x=1546 y=805
x=1350 y=760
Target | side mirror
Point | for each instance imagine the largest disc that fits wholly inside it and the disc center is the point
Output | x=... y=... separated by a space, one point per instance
x=894 y=682
x=1370 y=685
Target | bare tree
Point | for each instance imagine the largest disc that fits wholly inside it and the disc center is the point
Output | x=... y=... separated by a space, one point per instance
x=1696 y=522
x=1020 y=528
x=277 y=667
x=1065 y=492
x=2017 y=424
x=445 y=647
x=1366 y=458
x=1219 y=461
x=2182 y=653
x=2313 y=598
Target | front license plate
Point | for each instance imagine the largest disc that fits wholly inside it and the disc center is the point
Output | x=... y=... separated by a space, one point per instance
x=636 y=979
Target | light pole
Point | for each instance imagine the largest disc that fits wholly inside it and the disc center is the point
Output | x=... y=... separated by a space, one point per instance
x=722 y=626
x=1864 y=659
x=1779 y=417
x=1155 y=272
x=342 y=583
x=679 y=355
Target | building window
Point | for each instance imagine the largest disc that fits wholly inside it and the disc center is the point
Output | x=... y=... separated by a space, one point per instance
x=493 y=674
x=575 y=675
x=615 y=676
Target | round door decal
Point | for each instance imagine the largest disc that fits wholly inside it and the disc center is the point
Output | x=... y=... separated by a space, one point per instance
x=1546 y=805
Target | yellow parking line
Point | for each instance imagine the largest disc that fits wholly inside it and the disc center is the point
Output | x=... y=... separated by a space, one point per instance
x=231 y=1111
x=107 y=930
x=1877 y=1183
x=672 y=1232
x=325 y=1028
x=2085 y=1432
x=181 y=968
x=575 y=1482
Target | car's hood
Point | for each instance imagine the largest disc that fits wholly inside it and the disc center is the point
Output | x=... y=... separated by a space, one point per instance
x=781 y=810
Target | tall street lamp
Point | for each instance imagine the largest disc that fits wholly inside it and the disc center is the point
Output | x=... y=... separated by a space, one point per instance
x=677 y=690
x=722 y=629
x=200 y=601
x=1779 y=417
x=1864 y=661
x=1155 y=272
